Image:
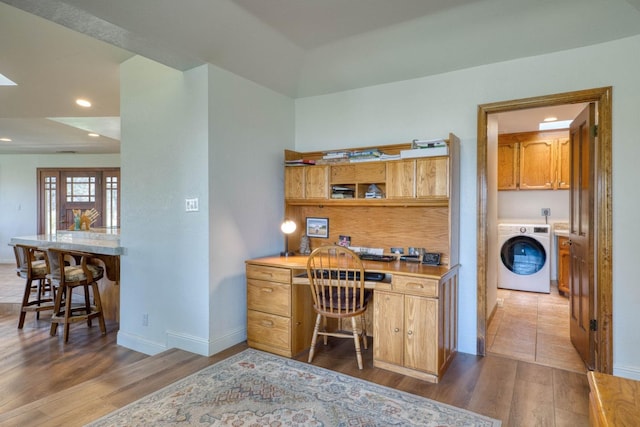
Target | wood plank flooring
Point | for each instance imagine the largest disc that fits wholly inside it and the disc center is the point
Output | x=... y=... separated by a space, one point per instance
x=46 y=383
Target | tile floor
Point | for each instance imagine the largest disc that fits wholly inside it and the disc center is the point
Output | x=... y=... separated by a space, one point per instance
x=535 y=328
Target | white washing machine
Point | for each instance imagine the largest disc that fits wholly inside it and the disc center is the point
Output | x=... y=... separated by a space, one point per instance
x=524 y=257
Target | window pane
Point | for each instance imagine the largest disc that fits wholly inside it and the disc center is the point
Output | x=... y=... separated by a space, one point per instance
x=81 y=189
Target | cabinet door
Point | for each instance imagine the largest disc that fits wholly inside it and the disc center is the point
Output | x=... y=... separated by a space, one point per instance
x=401 y=179
x=294 y=182
x=421 y=333
x=317 y=182
x=388 y=327
x=563 y=164
x=537 y=165
x=508 y=166
x=432 y=177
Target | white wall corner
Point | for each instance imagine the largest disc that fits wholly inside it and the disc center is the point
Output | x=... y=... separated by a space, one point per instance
x=631 y=372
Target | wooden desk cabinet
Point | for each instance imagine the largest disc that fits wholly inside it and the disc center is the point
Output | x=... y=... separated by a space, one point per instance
x=279 y=315
x=415 y=326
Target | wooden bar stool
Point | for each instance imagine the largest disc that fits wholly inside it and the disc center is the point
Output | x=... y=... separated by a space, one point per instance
x=33 y=270
x=80 y=275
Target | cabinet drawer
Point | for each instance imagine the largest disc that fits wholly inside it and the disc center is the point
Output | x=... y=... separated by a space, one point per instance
x=268 y=329
x=274 y=274
x=342 y=174
x=415 y=285
x=269 y=297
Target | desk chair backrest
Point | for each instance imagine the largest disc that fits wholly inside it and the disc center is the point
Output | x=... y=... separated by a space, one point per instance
x=336 y=276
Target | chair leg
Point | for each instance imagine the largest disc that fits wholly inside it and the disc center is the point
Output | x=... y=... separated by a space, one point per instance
x=324 y=328
x=56 y=311
x=356 y=341
x=25 y=302
x=67 y=313
x=364 y=332
x=98 y=303
x=314 y=339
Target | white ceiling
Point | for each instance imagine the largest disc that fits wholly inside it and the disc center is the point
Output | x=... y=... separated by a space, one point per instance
x=295 y=47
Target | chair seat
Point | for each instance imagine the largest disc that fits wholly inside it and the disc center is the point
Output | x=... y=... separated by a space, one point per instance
x=38 y=268
x=344 y=300
x=74 y=273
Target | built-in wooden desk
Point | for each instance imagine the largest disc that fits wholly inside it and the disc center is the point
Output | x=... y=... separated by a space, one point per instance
x=613 y=401
x=414 y=313
x=103 y=246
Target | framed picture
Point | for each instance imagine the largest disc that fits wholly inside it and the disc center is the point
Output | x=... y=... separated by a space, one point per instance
x=318 y=227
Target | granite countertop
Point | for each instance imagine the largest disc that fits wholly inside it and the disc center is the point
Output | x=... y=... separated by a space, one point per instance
x=79 y=241
x=561 y=229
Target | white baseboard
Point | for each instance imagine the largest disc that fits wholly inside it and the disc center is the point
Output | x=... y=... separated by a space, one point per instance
x=138 y=343
x=631 y=372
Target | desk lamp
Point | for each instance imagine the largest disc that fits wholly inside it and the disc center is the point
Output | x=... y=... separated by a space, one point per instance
x=287 y=227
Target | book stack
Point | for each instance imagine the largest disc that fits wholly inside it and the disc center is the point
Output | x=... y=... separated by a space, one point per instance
x=426 y=148
x=334 y=157
x=299 y=162
x=338 y=192
x=365 y=155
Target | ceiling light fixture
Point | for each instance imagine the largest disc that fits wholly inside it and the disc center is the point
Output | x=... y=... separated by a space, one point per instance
x=93 y=135
x=550 y=119
x=83 y=102
x=5 y=139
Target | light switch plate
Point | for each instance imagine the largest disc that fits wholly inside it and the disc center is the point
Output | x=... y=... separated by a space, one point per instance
x=191 y=205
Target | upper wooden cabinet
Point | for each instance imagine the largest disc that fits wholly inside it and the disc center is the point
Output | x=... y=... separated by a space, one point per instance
x=533 y=161
x=421 y=181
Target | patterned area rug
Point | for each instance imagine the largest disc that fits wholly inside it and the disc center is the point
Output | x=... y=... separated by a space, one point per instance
x=255 y=388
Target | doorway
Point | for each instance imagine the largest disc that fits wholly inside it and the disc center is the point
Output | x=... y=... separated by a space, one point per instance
x=601 y=205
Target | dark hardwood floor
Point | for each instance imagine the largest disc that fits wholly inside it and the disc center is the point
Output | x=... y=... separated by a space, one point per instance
x=47 y=383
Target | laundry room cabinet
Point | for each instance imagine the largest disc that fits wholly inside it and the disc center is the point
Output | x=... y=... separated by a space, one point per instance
x=564 y=255
x=533 y=161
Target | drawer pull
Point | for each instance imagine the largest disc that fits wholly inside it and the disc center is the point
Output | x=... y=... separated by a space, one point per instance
x=267 y=323
x=267 y=290
x=415 y=285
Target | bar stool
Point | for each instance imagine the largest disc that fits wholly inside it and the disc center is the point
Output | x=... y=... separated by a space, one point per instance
x=81 y=275
x=33 y=269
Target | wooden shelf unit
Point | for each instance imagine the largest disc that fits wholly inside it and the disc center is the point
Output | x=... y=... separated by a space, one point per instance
x=420 y=207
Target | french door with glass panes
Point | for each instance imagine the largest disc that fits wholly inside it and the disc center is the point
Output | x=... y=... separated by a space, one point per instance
x=61 y=191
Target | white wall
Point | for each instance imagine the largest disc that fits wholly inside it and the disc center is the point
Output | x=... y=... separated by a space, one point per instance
x=250 y=127
x=436 y=105
x=208 y=134
x=18 y=190
x=164 y=149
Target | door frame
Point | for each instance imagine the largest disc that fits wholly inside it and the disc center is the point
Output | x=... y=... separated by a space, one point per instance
x=602 y=208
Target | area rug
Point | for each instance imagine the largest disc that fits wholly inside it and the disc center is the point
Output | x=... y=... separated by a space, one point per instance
x=254 y=388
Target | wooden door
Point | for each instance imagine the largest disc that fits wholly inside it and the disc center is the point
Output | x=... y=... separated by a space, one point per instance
x=508 y=166
x=581 y=193
x=388 y=327
x=79 y=190
x=401 y=178
x=432 y=177
x=537 y=161
x=421 y=337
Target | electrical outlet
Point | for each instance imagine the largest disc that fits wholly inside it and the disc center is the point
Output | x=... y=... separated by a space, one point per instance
x=545 y=212
x=145 y=319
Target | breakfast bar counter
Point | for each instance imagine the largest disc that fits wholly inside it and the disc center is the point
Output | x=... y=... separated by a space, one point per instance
x=103 y=245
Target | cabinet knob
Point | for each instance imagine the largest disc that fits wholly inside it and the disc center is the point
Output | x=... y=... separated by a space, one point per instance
x=410 y=333
x=267 y=323
x=396 y=330
x=267 y=290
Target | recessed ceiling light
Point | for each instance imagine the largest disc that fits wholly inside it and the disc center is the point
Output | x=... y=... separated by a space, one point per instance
x=5 y=139
x=550 y=119
x=83 y=102
x=560 y=124
x=93 y=135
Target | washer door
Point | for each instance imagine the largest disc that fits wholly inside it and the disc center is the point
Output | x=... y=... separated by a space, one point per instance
x=523 y=255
